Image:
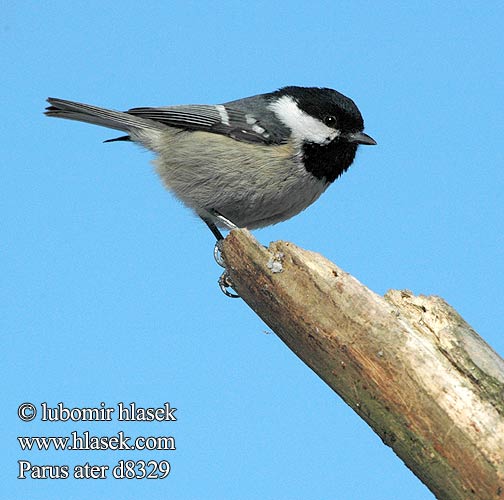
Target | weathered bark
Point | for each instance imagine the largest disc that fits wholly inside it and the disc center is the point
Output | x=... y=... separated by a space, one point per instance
x=410 y=366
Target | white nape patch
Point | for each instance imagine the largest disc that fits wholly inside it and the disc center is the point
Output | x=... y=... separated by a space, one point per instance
x=304 y=127
x=223 y=114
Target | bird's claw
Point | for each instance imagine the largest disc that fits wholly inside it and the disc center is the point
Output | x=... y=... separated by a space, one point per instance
x=225 y=284
x=217 y=253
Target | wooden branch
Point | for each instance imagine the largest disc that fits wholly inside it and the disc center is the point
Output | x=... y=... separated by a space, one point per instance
x=410 y=366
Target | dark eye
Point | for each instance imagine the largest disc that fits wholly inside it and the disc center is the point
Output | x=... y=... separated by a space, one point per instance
x=330 y=121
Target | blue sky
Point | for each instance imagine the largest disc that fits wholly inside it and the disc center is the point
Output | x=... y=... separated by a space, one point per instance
x=108 y=284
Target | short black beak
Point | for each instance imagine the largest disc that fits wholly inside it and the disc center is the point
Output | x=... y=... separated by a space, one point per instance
x=361 y=138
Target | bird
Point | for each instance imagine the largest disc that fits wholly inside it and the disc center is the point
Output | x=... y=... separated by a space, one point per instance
x=247 y=163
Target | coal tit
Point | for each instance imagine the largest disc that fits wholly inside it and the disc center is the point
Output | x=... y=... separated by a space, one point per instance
x=246 y=163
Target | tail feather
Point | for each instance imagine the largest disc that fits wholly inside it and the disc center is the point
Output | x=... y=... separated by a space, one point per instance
x=118 y=120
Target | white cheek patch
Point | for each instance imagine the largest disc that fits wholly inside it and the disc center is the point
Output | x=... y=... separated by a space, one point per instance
x=304 y=127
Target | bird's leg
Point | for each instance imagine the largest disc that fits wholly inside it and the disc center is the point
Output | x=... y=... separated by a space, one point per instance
x=224 y=281
x=215 y=230
x=230 y=225
x=213 y=227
